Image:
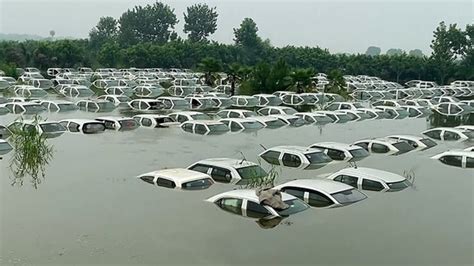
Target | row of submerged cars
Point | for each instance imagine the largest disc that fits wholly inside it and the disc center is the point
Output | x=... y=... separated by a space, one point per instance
x=274 y=203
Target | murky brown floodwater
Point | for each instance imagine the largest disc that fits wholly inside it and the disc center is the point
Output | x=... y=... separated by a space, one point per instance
x=91 y=210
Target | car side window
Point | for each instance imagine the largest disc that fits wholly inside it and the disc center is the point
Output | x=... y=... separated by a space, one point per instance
x=255 y=210
x=295 y=191
x=182 y=118
x=162 y=182
x=336 y=154
x=148 y=179
x=346 y=179
x=200 y=168
x=453 y=160
x=364 y=145
x=271 y=157
x=235 y=126
x=469 y=162
x=372 y=185
x=436 y=134
x=73 y=127
x=264 y=111
x=448 y=135
x=317 y=199
x=234 y=115
x=221 y=175
x=200 y=129
x=379 y=148
x=188 y=127
x=230 y=205
x=146 y=122
x=291 y=160
x=274 y=112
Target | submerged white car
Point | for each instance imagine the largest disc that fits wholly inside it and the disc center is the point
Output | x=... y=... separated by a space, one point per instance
x=118 y=123
x=48 y=129
x=155 y=121
x=276 y=110
x=245 y=202
x=457 y=158
x=227 y=170
x=322 y=192
x=385 y=146
x=59 y=106
x=296 y=157
x=419 y=143
x=370 y=179
x=236 y=113
x=341 y=151
x=270 y=122
x=178 y=178
x=242 y=124
x=314 y=118
x=205 y=127
x=84 y=126
x=449 y=134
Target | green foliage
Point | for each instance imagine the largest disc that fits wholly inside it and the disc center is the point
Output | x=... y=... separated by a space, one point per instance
x=9 y=70
x=31 y=154
x=336 y=83
x=394 y=51
x=416 y=53
x=210 y=66
x=301 y=79
x=151 y=23
x=246 y=35
x=200 y=21
x=105 y=31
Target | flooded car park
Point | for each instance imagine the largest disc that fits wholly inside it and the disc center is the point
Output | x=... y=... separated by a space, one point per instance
x=109 y=163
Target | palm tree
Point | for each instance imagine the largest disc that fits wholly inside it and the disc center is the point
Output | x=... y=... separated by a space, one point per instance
x=210 y=66
x=301 y=79
x=234 y=72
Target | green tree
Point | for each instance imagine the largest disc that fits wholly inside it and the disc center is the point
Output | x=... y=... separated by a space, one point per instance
x=394 y=51
x=416 y=52
x=246 y=35
x=301 y=79
x=109 y=54
x=200 y=21
x=106 y=30
x=234 y=73
x=151 y=23
x=210 y=66
x=336 y=83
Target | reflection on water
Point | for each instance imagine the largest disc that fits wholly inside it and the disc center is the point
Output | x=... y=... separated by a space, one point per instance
x=30 y=156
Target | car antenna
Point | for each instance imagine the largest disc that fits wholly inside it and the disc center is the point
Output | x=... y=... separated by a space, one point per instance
x=263 y=146
x=244 y=159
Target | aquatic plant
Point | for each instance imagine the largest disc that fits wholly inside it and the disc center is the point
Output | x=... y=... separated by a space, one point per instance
x=31 y=153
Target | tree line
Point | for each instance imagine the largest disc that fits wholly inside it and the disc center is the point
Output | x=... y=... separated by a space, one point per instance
x=145 y=36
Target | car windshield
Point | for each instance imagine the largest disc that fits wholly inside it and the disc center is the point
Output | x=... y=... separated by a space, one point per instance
x=296 y=205
x=358 y=105
x=318 y=157
x=252 y=172
x=349 y=196
x=197 y=184
x=403 y=147
x=200 y=117
x=4 y=146
x=67 y=107
x=249 y=114
x=218 y=128
x=397 y=186
x=37 y=92
x=359 y=153
x=123 y=99
x=252 y=125
x=428 y=142
x=289 y=111
x=52 y=127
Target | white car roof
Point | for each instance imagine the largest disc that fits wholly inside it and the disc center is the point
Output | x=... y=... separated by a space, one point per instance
x=247 y=194
x=80 y=121
x=459 y=130
x=151 y=116
x=278 y=107
x=293 y=149
x=237 y=110
x=114 y=118
x=285 y=116
x=227 y=162
x=409 y=137
x=264 y=118
x=187 y=113
x=57 y=102
x=178 y=175
x=337 y=145
x=325 y=185
x=239 y=120
x=310 y=114
x=205 y=122
x=455 y=153
x=464 y=127
x=371 y=173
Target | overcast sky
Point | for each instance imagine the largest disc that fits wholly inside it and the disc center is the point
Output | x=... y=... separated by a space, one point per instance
x=341 y=26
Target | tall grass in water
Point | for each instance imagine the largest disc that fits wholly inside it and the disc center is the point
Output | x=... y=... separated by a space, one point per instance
x=31 y=154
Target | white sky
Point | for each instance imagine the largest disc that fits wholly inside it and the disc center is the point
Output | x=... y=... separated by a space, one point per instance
x=341 y=26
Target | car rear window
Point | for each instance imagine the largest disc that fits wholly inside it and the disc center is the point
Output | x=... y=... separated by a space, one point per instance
x=197 y=184
x=349 y=196
x=90 y=128
x=403 y=147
